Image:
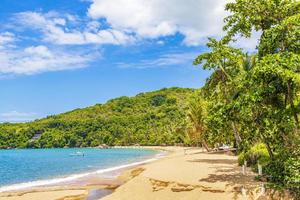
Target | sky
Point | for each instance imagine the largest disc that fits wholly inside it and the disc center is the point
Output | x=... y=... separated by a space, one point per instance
x=60 y=55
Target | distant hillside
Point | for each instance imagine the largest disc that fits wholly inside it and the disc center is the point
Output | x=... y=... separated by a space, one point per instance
x=148 y=119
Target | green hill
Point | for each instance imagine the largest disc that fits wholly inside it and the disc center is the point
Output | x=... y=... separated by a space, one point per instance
x=151 y=118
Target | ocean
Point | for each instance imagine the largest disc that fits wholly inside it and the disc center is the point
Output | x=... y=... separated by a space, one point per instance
x=25 y=168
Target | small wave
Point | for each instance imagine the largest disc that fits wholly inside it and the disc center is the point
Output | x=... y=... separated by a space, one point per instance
x=26 y=185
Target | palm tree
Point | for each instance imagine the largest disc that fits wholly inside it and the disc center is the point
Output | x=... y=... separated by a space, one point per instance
x=197 y=113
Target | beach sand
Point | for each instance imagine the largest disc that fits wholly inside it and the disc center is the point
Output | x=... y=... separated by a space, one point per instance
x=195 y=175
x=182 y=174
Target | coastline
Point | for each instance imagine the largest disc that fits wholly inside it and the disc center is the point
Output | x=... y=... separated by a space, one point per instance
x=78 y=185
x=181 y=174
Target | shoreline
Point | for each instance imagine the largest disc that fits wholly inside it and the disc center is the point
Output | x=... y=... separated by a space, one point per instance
x=82 y=181
x=184 y=173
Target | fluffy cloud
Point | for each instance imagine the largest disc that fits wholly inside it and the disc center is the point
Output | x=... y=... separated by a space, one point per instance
x=38 y=59
x=117 y=22
x=28 y=63
x=127 y=21
x=195 y=19
x=55 y=29
x=41 y=51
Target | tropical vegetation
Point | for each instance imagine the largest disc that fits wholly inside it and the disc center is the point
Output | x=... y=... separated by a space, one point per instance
x=252 y=100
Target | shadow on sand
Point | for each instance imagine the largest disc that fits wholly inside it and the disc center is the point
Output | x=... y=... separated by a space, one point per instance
x=229 y=172
x=215 y=161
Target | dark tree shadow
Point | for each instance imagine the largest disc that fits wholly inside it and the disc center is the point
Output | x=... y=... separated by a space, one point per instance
x=225 y=152
x=215 y=161
x=227 y=171
x=231 y=178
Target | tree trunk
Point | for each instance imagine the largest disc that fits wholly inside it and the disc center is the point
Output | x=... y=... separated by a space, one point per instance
x=265 y=141
x=204 y=143
x=236 y=134
x=268 y=146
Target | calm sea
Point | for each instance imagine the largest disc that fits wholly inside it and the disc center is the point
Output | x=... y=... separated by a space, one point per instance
x=22 y=168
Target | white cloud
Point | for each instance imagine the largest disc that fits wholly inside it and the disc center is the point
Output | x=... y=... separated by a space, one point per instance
x=121 y=22
x=41 y=51
x=55 y=30
x=195 y=19
x=18 y=59
x=117 y=22
x=248 y=44
x=6 y=39
x=38 y=59
x=171 y=59
x=15 y=116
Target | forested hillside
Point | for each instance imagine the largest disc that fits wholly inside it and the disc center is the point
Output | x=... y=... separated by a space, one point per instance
x=148 y=119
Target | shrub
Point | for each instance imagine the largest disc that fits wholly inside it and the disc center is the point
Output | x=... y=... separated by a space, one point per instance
x=257 y=153
x=292 y=171
x=241 y=158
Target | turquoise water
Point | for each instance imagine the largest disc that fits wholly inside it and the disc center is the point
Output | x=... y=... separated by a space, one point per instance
x=25 y=167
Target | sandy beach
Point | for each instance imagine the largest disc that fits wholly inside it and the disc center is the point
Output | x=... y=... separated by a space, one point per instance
x=185 y=173
x=189 y=175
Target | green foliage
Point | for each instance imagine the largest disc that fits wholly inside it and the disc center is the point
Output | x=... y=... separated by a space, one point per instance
x=292 y=170
x=197 y=113
x=152 y=118
x=254 y=101
x=241 y=158
x=282 y=37
x=259 y=15
x=158 y=100
x=257 y=154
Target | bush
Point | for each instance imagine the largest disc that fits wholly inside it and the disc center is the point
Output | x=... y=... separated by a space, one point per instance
x=292 y=171
x=241 y=158
x=257 y=153
x=284 y=172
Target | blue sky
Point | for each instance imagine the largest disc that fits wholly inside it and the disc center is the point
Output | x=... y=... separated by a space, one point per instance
x=59 y=55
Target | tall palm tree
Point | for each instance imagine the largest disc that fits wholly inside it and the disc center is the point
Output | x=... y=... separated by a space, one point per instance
x=197 y=113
